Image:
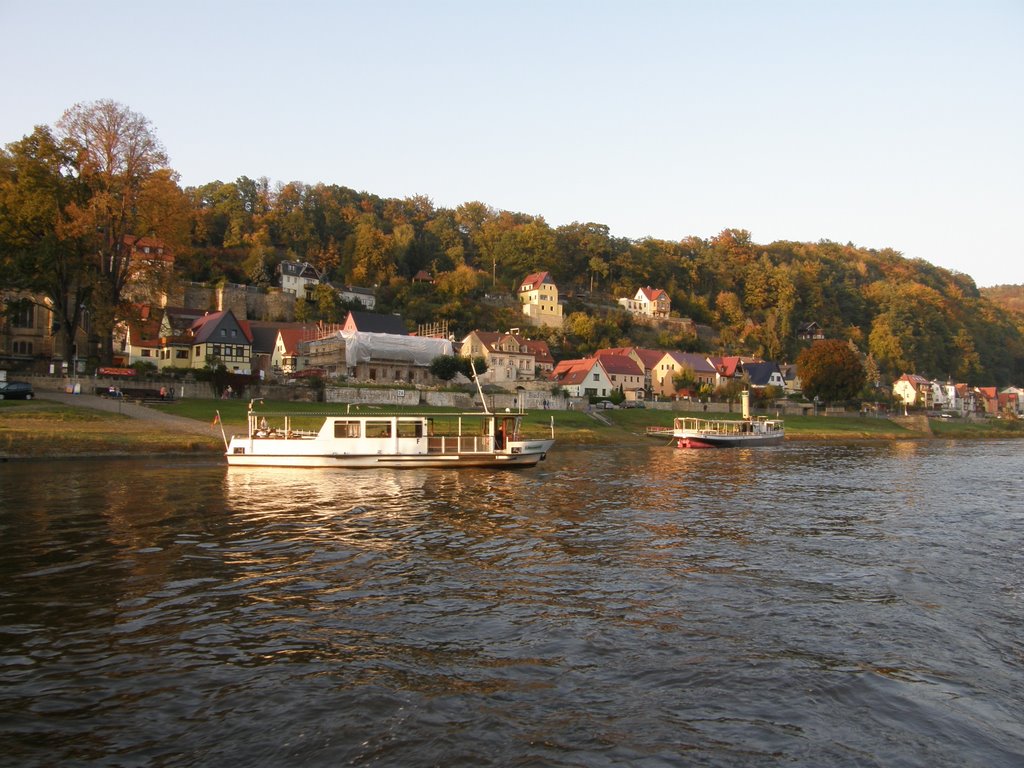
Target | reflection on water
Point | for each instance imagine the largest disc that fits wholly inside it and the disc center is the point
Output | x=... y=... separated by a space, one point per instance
x=809 y=604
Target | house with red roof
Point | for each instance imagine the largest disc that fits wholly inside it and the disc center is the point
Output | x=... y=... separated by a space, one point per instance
x=1008 y=401
x=624 y=374
x=159 y=336
x=914 y=390
x=538 y=296
x=648 y=302
x=220 y=338
x=582 y=378
x=988 y=400
x=647 y=359
x=509 y=356
x=1014 y=399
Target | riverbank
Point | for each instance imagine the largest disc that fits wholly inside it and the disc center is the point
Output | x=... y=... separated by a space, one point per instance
x=59 y=425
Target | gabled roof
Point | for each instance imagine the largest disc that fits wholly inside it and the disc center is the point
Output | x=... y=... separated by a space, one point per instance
x=264 y=334
x=204 y=328
x=372 y=322
x=487 y=338
x=620 y=365
x=571 y=372
x=298 y=269
x=180 y=319
x=264 y=338
x=540 y=351
x=760 y=373
x=532 y=281
x=653 y=294
x=291 y=337
x=158 y=250
x=648 y=357
x=537 y=348
x=357 y=290
x=914 y=380
x=696 y=362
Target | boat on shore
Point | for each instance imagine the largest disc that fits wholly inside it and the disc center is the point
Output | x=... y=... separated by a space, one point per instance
x=688 y=432
x=388 y=440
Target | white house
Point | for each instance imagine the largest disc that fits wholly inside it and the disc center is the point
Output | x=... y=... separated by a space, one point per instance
x=583 y=378
x=650 y=302
x=912 y=389
x=364 y=296
x=299 y=278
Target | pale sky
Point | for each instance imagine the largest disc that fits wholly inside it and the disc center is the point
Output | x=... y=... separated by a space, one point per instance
x=886 y=124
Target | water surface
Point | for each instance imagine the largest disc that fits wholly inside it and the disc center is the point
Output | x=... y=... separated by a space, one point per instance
x=812 y=604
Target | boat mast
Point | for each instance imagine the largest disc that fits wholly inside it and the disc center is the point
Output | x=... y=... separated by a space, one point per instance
x=476 y=378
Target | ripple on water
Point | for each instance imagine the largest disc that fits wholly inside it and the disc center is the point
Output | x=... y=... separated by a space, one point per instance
x=809 y=605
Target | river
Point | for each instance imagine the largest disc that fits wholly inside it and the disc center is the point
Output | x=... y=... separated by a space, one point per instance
x=814 y=604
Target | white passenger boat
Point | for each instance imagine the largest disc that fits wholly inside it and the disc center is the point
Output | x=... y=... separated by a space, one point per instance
x=728 y=433
x=388 y=440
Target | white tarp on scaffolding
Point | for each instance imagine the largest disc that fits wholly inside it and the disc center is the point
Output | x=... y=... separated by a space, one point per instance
x=363 y=347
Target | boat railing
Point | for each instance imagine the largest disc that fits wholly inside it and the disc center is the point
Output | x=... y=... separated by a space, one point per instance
x=728 y=426
x=460 y=444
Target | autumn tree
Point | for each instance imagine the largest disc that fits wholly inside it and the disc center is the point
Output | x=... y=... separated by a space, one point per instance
x=831 y=370
x=116 y=154
x=43 y=248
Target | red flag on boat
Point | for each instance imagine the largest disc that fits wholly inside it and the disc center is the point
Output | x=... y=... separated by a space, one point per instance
x=216 y=419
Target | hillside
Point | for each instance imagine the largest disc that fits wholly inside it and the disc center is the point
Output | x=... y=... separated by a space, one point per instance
x=1008 y=297
x=908 y=315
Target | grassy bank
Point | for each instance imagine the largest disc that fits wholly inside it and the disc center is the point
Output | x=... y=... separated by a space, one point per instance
x=39 y=428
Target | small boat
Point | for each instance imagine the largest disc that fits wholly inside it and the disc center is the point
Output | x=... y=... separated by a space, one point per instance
x=728 y=433
x=388 y=440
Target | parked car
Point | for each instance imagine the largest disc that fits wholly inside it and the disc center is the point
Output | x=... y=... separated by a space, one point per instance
x=16 y=390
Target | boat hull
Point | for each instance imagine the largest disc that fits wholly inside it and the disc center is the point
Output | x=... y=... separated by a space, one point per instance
x=709 y=441
x=256 y=455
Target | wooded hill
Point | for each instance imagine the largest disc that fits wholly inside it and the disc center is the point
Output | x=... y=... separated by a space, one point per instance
x=73 y=196
x=907 y=315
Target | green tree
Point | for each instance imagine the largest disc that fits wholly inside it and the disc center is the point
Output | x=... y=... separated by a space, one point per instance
x=328 y=304
x=445 y=367
x=832 y=370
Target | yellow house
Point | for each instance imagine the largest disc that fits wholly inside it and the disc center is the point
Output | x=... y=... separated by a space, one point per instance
x=538 y=295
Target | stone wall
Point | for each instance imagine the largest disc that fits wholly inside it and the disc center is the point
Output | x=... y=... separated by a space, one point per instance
x=247 y=302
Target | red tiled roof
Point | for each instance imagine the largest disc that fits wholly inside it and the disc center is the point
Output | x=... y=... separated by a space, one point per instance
x=534 y=280
x=620 y=364
x=652 y=294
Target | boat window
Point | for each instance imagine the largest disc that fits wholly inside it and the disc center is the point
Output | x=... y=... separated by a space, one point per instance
x=346 y=429
x=378 y=429
x=410 y=429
